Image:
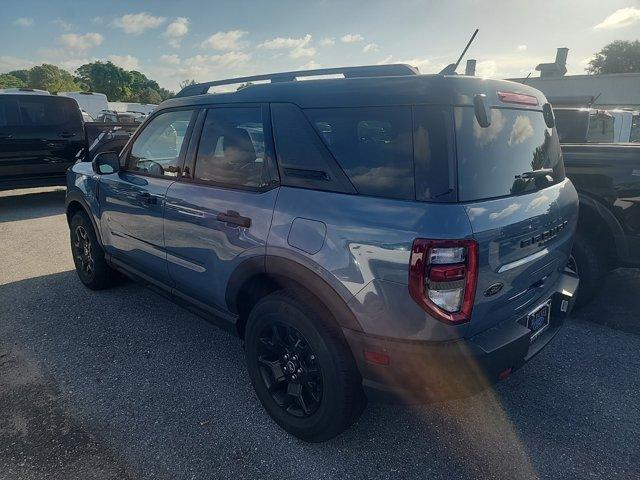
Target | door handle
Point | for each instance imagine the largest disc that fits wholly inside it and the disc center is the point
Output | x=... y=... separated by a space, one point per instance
x=6 y=137
x=66 y=135
x=146 y=197
x=234 y=218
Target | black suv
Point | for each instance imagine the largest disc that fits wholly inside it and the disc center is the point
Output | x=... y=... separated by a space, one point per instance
x=40 y=135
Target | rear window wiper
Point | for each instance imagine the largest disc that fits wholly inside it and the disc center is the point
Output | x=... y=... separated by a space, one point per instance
x=543 y=172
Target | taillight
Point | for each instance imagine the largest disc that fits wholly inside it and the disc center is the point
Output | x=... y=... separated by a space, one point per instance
x=517 y=98
x=442 y=277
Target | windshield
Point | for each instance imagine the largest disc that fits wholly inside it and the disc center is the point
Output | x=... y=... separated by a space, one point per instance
x=497 y=161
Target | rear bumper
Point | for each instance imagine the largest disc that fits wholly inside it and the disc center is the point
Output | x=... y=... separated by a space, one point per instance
x=430 y=371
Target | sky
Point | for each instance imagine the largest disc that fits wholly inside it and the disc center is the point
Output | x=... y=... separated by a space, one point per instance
x=171 y=41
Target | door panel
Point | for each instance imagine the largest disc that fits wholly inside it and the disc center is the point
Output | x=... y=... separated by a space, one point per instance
x=203 y=247
x=222 y=215
x=133 y=200
x=131 y=223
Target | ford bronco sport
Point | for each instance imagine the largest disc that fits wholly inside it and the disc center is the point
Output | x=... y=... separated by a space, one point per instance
x=382 y=234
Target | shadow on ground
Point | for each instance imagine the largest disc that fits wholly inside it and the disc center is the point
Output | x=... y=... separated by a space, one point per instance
x=157 y=392
x=30 y=204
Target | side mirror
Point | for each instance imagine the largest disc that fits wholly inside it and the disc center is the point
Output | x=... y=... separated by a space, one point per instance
x=549 y=117
x=105 y=163
x=483 y=115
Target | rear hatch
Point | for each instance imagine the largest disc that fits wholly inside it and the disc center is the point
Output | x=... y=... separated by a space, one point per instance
x=522 y=210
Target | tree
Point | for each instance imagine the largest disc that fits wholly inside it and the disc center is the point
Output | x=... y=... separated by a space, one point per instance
x=10 y=81
x=617 y=57
x=149 y=95
x=187 y=83
x=22 y=75
x=105 y=77
x=51 y=78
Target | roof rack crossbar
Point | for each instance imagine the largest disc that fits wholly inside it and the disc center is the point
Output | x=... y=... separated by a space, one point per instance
x=389 y=70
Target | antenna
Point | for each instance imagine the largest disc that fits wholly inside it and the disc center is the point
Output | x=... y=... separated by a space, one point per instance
x=527 y=78
x=452 y=67
x=593 y=101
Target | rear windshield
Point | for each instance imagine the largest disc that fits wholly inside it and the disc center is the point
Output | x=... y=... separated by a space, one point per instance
x=40 y=111
x=492 y=160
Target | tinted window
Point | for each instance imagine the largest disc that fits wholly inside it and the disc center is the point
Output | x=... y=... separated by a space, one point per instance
x=601 y=128
x=635 y=130
x=491 y=160
x=433 y=153
x=373 y=145
x=157 y=149
x=572 y=125
x=9 y=114
x=303 y=159
x=231 y=149
x=40 y=110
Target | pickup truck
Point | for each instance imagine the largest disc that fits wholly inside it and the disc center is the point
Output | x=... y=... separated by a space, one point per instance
x=607 y=177
x=41 y=135
x=589 y=125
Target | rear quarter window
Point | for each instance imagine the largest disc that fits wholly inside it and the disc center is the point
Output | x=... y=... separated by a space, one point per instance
x=373 y=145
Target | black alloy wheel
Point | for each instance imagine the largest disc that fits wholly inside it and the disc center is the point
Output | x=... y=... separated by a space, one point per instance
x=289 y=369
x=83 y=251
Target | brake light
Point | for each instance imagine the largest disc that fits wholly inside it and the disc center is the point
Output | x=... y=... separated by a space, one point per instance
x=518 y=98
x=443 y=276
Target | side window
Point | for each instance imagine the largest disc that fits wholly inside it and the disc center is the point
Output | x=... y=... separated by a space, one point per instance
x=157 y=150
x=372 y=145
x=232 y=148
x=601 y=128
x=51 y=111
x=303 y=159
x=9 y=115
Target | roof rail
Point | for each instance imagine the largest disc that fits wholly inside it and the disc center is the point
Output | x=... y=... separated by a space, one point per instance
x=388 y=70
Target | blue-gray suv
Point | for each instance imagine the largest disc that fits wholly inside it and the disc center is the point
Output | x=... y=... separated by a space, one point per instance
x=383 y=234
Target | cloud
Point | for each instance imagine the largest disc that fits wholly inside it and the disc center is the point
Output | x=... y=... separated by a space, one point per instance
x=170 y=59
x=310 y=65
x=23 y=22
x=419 y=63
x=487 y=68
x=370 y=47
x=128 y=62
x=352 y=38
x=137 y=23
x=299 y=47
x=66 y=26
x=327 y=42
x=9 y=63
x=97 y=20
x=76 y=43
x=522 y=48
x=624 y=17
x=231 y=40
x=176 y=31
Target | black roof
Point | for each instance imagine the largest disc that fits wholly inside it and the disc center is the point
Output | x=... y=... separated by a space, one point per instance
x=405 y=87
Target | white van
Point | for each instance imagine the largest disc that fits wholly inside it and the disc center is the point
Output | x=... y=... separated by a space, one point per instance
x=90 y=102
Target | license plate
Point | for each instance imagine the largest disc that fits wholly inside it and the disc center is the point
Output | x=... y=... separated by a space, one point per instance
x=538 y=320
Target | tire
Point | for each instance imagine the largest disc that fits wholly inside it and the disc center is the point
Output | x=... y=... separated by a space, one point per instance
x=330 y=385
x=590 y=267
x=88 y=255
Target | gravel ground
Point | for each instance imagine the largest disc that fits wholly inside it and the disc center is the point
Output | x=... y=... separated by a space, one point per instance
x=123 y=384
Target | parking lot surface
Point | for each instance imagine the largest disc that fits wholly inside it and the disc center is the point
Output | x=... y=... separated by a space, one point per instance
x=123 y=384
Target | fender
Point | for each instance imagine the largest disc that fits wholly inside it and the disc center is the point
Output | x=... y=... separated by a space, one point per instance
x=78 y=196
x=287 y=269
